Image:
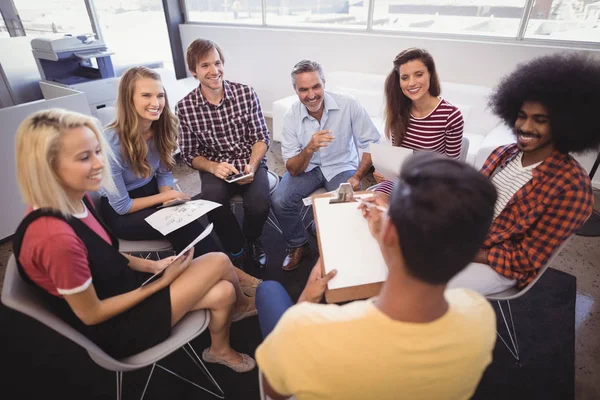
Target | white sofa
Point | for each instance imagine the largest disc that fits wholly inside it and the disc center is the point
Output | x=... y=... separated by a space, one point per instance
x=483 y=129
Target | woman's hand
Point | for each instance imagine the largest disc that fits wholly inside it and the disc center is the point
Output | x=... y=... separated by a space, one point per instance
x=157 y=266
x=171 y=195
x=378 y=177
x=177 y=267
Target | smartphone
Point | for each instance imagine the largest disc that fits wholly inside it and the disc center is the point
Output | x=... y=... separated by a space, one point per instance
x=172 y=203
x=237 y=177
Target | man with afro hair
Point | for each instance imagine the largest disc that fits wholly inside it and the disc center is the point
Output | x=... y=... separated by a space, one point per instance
x=544 y=195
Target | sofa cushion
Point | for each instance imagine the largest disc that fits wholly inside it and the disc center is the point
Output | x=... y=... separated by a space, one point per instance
x=475 y=140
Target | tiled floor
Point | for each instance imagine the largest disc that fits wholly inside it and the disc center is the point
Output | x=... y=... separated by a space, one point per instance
x=580 y=257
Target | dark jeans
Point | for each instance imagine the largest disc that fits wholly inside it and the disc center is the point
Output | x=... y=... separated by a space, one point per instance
x=272 y=300
x=256 y=200
x=134 y=227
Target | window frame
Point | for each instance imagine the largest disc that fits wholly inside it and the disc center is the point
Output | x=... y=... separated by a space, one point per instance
x=519 y=37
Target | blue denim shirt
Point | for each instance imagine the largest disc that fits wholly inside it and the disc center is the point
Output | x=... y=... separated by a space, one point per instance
x=124 y=177
x=347 y=120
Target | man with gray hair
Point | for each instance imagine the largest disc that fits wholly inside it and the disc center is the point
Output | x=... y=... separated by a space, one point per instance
x=323 y=133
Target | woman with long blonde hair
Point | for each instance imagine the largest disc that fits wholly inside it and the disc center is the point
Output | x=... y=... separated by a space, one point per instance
x=72 y=259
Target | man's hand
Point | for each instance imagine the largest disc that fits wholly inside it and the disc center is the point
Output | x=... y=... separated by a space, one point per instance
x=373 y=215
x=223 y=170
x=378 y=177
x=249 y=169
x=482 y=257
x=355 y=182
x=319 y=139
x=316 y=284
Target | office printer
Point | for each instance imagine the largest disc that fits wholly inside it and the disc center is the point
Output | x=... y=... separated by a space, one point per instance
x=72 y=59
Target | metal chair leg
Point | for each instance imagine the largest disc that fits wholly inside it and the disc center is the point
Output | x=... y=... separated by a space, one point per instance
x=119 y=385
x=512 y=333
x=189 y=350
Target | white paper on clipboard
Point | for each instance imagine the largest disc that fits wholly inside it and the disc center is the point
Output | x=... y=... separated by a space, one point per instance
x=347 y=245
x=388 y=160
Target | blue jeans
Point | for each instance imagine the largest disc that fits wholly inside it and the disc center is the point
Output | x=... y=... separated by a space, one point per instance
x=272 y=300
x=287 y=201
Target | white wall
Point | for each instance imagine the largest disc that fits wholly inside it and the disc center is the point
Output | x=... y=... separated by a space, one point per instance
x=263 y=57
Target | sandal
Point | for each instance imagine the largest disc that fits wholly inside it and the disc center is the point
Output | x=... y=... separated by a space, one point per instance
x=247 y=364
x=250 y=291
x=243 y=315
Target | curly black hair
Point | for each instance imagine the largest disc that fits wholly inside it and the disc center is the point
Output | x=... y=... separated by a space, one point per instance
x=568 y=85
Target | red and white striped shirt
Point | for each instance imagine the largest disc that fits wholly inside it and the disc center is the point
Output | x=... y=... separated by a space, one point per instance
x=440 y=131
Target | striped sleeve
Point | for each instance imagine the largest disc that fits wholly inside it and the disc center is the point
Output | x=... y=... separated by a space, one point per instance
x=385 y=187
x=454 y=133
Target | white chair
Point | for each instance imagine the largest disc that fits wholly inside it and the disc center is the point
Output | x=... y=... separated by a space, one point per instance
x=136 y=246
x=464 y=149
x=20 y=296
x=514 y=293
x=271 y=219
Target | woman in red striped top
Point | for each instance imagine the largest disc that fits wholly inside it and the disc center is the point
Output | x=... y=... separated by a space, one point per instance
x=416 y=116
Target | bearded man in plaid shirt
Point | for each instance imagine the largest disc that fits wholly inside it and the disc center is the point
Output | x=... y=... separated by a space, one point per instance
x=222 y=132
x=544 y=195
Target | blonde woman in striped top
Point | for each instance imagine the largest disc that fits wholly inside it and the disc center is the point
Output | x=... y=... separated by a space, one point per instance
x=416 y=116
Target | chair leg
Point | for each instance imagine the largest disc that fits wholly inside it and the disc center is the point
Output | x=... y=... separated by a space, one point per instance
x=273 y=222
x=148 y=381
x=189 y=350
x=119 y=385
x=512 y=333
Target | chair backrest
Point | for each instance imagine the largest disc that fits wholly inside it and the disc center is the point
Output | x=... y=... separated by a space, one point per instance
x=19 y=296
x=464 y=149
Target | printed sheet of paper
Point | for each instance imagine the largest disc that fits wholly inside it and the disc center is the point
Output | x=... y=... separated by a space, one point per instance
x=307 y=201
x=201 y=236
x=170 y=219
x=347 y=245
x=388 y=160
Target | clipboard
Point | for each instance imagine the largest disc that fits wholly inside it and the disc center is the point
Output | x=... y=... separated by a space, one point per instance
x=354 y=292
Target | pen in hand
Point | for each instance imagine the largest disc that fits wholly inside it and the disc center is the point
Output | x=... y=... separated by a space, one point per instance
x=371 y=205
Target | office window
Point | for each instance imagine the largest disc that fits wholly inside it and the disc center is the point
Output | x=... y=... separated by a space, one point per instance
x=225 y=11
x=53 y=17
x=136 y=30
x=318 y=13
x=498 y=18
x=3 y=30
x=565 y=20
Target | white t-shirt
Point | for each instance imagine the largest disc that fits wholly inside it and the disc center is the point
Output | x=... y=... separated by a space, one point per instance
x=509 y=180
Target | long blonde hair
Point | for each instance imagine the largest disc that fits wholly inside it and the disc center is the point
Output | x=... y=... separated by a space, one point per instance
x=37 y=146
x=133 y=146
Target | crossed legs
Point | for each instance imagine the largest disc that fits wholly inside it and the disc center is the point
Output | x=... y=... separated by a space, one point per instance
x=212 y=283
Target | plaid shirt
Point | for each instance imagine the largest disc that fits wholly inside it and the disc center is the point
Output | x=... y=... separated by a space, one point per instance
x=225 y=132
x=539 y=217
